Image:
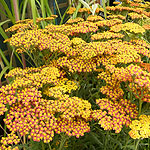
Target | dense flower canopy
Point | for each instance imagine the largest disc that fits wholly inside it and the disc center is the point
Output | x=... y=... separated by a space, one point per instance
x=44 y=100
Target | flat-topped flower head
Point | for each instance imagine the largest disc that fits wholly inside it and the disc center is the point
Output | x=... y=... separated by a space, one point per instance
x=116 y=16
x=130 y=26
x=140 y=128
x=106 y=35
x=94 y=18
x=78 y=19
x=146 y=27
x=135 y=15
x=108 y=23
x=113 y=115
x=10 y=139
x=116 y=3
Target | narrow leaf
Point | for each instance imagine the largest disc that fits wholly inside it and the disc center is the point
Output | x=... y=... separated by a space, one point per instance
x=61 y=22
x=3 y=71
x=43 y=9
x=12 y=7
x=85 y=4
x=7 y=11
x=4 y=58
x=104 y=6
x=8 y=20
x=2 y=32
x=24 y=9
x=33 y=7
x=76 y=11
x=58 y=9
x=3 y=13
x=48 y=10
x=94 y=6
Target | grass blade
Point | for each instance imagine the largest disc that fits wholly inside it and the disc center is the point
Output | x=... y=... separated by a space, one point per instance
x=24 y=9
x=12 y=7
x=85 y=4
x=43 y=9
x=48 y=10
x=8 y=11
x=104 y=6
x=8 y=20
x=3 y=13
x=76 y=11
x=4 y=58
x=3 y=71
x=33 y=7
x=61 y=22
x=58 y=9
x=2 y=32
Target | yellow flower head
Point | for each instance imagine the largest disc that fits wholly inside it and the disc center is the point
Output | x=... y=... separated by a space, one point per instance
x=140 y=128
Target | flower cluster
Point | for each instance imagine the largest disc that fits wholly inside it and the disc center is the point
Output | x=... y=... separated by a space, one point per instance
x=38 y=118
x=32 y=39
x=140 y=8
x=141 y=43
x=108 y=23
x=41 y=99
x=116 y=3
x=94 y=18
x=146 y=27
x=113 y=115
x=76 y=127
x=28 y=24
x=106 y=35
x=62 y=87
x=134 y=74
x=3 y=147
x=45 y=75
x=71 y=10
x=138 y=93
x=77 y=64
x=2 y=106
x=117 y=16
x=134 y=15
x=70 y=21
x=81 y=10
x=83 y=27
x=70 y=107
x=80 y=27
x=131 y=27
x=140 y=128
x=10 y=139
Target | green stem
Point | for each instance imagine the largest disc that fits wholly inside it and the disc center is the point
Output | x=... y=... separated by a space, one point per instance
x=148 y=143
x=62 y=19
x=43 y=147
x=64 y=137
x=140 y=102
x=137 y=143
x=126 y=142
x=140 y=106
x=104 y=7
x=116 y=140
x=3 y=130
x=32 y=58
x=106 y=140
x=50 y=148
x=58 y=9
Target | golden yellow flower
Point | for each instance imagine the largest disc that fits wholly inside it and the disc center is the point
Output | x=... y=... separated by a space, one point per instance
x=140 y=128
x=78 y=19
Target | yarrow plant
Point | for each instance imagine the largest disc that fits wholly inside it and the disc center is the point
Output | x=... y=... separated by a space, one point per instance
x=52 y=98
